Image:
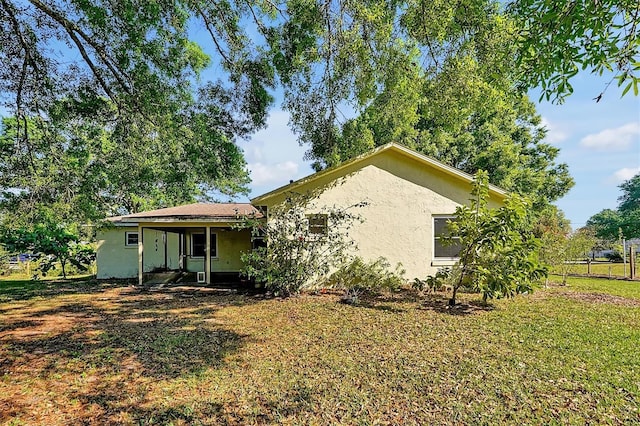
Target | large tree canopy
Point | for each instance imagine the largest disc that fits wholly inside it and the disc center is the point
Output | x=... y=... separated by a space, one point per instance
x=109 y=113
x=136 y=53
x=89 y=81
x=81 y=169
x=437 y=76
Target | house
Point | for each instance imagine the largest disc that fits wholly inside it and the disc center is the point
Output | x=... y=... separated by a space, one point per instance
x=176 y=239
x=409 y=197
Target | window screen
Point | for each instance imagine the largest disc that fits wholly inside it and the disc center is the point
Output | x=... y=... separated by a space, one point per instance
x=440 y=250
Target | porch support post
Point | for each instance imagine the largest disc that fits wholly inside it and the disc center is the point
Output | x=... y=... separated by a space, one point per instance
x=207 y=255
x=140 y=253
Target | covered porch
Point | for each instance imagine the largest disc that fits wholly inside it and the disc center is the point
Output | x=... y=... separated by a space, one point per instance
x=196 y=243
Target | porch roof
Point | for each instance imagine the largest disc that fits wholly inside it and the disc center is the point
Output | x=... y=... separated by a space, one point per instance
x=199 y=212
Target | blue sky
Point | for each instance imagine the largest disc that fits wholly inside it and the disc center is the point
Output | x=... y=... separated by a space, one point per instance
x=599 y=141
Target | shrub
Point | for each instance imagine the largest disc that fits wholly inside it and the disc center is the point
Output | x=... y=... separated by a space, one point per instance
x=358 y=276
x=499 y=251
x=298 y=254
x=443 y=280
x=614 y=256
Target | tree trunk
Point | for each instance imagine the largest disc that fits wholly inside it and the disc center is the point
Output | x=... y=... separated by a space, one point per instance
x=64 y=271
x=452 y=301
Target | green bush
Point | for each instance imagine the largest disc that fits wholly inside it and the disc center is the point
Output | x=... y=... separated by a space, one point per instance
x=299 y=255
x=443 y=280
x=499 y=250
x=358 y=276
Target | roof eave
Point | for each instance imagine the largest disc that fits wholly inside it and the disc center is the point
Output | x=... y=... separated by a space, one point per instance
x=452 y=171
x=167 y=219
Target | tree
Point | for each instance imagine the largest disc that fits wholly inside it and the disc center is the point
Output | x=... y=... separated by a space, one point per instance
x=301 y=248
x=108 y=110
x=499 y=251
x=576 y=246
x=438 y=77
x=606 y=224
x=557 y=38
x=80 y=169
x=609 y=224
x=630 y=198
x=52 y=244
x=553 y=230
x=135 y=53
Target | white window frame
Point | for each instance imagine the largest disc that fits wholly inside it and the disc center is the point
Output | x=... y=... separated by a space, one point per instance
x=203 y=233
x=436 y=237
x=126 y=239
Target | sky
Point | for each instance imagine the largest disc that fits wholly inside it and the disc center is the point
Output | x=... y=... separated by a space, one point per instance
x=600 y=142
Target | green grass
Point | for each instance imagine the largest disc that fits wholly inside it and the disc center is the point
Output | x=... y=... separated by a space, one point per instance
x=601 y=269
x=117 y=354
x=623 y=288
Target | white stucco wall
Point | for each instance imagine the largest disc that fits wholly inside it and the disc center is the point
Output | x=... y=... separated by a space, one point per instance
x=402 y=198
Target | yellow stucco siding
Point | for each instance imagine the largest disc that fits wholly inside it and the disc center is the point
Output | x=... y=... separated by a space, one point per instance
x=230 y=246
x=113 y=258
x=402 y=198
x=117 y=260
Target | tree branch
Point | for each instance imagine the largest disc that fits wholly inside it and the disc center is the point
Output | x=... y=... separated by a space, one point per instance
x=209 y=26
x=16 y=28
x=73 y=30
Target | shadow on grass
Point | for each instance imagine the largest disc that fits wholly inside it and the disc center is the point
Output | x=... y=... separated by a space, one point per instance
x=437 y=302
x=11 y=290
x=168 y=332
x=440 y=303
x=100 y=346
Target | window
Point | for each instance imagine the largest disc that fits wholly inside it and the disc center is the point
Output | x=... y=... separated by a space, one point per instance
x=131 y=239
x=317 y=224
x=199 y=243
x=258 y=239
x=441 y=251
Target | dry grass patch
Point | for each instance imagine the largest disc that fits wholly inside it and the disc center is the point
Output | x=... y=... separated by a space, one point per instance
x=121 y=355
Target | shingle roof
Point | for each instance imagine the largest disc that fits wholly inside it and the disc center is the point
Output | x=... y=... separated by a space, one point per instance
x=197 y=211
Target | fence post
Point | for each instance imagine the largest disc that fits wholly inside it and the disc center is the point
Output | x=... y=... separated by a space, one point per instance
x=609 y=271
x=632 y=262
x=589 y=266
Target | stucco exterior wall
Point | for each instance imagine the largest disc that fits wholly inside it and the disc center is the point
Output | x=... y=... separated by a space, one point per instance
x=154 y=250
x=117 y=260
x=113 y=258
x=402 y=198
x=231 y=244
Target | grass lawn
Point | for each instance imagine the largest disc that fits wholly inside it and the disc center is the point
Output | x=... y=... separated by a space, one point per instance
x=603 y=269
x=88 y=353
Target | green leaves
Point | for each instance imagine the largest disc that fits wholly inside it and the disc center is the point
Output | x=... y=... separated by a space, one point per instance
x=296 y=256
x=557 y=37
x=438 y=77
x=53 y=244
x=499 y=255
x=625 y=220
